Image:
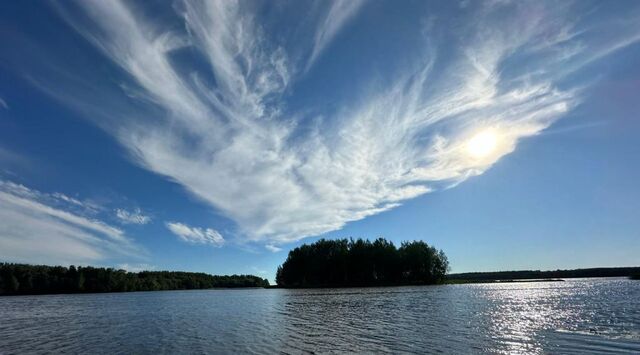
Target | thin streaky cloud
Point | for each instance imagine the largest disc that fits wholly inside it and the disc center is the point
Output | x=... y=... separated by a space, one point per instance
x=272 y=248
x=574 y=127
x=9 y=157
x=3 y=104
x=337 y=16
x=35 y=231
x=136 y=267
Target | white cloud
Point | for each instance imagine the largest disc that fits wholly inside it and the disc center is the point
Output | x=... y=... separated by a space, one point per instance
x=136 y=267
x=68 y=199
x=134 y=217
x=3 y=104
x=55 y=199
x=35 y=231
x=338 y=14
x=225 y=134
x=196 y=235
x=272 y=248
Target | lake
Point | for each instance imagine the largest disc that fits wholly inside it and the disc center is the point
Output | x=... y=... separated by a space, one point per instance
x=578 y=316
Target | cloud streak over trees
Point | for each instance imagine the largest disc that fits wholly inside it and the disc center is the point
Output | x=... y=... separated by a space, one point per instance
x=55 y=229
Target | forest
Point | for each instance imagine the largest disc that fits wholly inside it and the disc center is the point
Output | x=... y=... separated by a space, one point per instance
x=21 y=279
x=344 y=263
x=552 y=274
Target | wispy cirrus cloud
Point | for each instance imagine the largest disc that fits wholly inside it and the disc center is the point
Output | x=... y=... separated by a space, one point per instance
x=42 y=228
x=223 y=131
x=3 y=104
x=196 y=235
x=337 y=15
x=9 y=157
x=132 y=217
x=272 y=248
x=136 y=267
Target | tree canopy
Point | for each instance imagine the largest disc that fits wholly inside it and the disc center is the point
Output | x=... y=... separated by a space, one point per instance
x=537 y=274
x=342 y=263
x=39 y=279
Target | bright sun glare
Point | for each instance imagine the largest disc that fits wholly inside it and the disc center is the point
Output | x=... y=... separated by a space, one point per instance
x=482 y=143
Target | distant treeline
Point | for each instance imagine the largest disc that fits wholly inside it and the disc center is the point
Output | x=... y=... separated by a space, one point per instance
x=537 y=274
x=342 y=263
x=18 y=279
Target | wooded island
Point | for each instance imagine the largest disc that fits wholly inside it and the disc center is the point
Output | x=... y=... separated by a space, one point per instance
x=346 y=263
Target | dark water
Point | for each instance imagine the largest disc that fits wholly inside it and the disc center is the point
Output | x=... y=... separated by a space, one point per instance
x=577 y=316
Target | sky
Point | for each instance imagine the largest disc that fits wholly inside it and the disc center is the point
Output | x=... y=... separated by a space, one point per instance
x=215 y=136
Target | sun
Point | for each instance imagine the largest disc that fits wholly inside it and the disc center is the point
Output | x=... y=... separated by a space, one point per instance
x=482 y=144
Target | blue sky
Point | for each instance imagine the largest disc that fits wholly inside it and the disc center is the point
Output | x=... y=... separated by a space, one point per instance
x=216 y=136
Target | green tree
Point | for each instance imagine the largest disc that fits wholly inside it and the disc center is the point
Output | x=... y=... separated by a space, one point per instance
x=362 y=263
x=13 y=285
x=38 y=279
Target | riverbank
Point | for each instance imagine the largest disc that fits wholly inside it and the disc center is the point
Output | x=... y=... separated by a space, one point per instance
x=22 y=279
x=545 y=275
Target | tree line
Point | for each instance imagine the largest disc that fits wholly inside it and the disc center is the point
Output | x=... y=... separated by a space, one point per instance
x=552 y=274
x=16 y=279
x=343 y=263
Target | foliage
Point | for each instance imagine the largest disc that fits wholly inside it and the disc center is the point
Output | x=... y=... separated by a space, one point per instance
x=341 y=263
x=39 y=279
x=553 y=274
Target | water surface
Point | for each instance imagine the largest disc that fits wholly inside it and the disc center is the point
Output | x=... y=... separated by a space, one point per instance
x=577 y=316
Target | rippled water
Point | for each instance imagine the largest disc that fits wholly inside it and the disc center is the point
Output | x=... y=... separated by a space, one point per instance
x=576 y=316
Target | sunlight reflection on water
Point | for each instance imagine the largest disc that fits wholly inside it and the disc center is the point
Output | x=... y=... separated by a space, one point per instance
x=576 y=316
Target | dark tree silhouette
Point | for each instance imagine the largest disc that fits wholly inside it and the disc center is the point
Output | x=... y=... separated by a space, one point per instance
x=341 y=263
x=39 y=279
x=552 y=274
